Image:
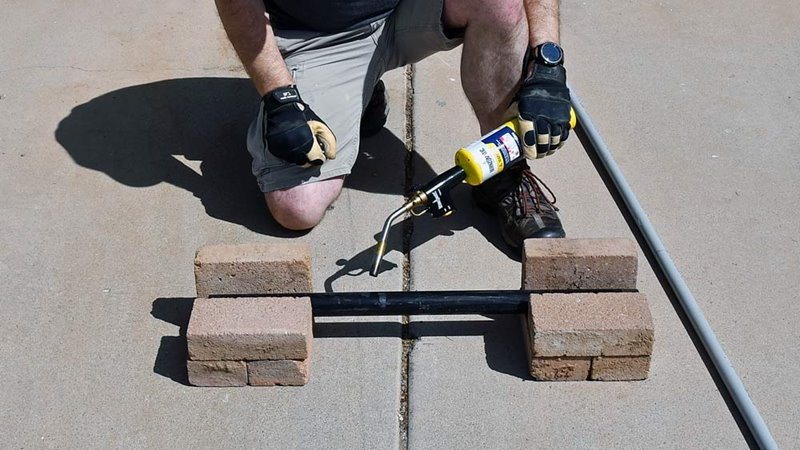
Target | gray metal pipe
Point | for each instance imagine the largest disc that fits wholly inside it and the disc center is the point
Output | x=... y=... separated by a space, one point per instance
x=748 y=411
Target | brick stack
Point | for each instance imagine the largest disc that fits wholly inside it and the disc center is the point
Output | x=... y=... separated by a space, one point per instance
x=257 y=340
x=587 y=321
x=597 y=327
x=252 y=269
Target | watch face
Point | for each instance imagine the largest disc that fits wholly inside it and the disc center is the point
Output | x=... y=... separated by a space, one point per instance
x=551 y=53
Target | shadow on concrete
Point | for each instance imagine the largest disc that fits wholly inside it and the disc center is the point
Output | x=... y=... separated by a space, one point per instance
x=191 y=133
x=160 y=132
x=503 y=338
x=172 y=353
x=357 y=329
x=425 y=228
x=421 y=229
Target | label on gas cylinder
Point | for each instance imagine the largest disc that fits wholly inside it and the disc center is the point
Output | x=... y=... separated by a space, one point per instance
x=489 y=156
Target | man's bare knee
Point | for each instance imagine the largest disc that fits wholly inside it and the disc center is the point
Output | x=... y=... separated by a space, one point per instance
x=302 y=207
x=463 y=13
x=510 y=12
x=294 y=216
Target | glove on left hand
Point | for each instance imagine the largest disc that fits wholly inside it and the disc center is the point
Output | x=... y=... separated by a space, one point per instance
x=543 y=105
x=293 y=132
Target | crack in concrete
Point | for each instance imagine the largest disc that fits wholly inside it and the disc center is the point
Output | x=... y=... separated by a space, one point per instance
x=408 y=231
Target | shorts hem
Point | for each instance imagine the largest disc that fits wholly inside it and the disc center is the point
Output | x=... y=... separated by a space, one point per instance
x=276 y=185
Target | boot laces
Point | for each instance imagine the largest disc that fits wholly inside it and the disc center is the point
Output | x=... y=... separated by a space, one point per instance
x=530 y=195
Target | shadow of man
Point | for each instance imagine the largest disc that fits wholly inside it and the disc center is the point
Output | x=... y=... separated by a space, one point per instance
x=158 y=132
x=161 y=132
x=149 y=134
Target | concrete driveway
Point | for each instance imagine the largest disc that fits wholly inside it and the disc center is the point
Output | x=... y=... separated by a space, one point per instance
x=122 y=149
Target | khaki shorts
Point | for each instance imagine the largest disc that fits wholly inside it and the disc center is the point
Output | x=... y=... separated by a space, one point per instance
x=336 y=73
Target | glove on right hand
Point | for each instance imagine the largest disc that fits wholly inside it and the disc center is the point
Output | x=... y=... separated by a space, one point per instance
x=293 y=132
x=543 y=105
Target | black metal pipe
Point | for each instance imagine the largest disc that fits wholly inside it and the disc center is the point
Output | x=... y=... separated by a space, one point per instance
x=416 y=303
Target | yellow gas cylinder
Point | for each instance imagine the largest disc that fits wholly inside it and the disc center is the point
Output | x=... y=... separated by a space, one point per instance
x=491 y=154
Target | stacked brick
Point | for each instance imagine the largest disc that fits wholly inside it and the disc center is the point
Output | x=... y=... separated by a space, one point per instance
x=252 y=269
x=252 y=325
x=589 y=322
x=237 y=333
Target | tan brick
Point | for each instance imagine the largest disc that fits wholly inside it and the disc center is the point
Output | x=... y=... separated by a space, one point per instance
x=579 y=264
x=590 y=324
x=252 y=269
x=560 y=369
x=217 y=373
x=620 y=368
x=278 y=373
x=250 y=328
x=555 y=369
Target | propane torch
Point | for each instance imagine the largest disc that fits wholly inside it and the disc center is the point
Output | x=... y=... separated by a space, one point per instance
x=434 y=197
x=475 y=163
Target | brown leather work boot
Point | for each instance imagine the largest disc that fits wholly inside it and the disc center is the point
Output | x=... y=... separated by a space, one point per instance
x=519 y=203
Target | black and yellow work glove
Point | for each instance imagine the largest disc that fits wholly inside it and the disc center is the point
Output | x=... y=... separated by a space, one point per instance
x=543 y=104
x=293 y=132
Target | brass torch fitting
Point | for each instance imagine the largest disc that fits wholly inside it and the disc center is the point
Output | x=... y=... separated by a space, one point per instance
x=419 y=198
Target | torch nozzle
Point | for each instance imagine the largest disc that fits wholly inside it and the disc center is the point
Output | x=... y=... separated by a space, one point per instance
x=434 y=195
x=419 y=198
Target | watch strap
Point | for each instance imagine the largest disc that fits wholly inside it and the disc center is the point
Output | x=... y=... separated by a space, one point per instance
x=285 y=95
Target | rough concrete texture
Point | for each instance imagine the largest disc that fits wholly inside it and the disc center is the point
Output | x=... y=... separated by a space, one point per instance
x=253 y=269
x=579 y=264
x=121 y=146
x=250 y=328
x=122 y=152
x=465 y=251
x=701 y=201
x=278 y=373
x=620 y=368
x=217 y=373
x=560 y=369
x=590 y=324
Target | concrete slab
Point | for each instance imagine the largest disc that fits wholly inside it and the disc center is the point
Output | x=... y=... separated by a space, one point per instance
x=725 y=200
x=468 y=375
x=122 y=147
x=113 y=177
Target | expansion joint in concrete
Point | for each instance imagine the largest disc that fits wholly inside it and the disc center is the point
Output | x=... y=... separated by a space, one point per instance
x=408 y=231
x=408 y=139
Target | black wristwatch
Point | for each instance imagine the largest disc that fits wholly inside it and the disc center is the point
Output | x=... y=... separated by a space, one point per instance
x=549 y=54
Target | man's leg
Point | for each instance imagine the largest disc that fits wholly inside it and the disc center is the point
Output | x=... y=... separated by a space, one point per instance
x=302 y=207
x=495 y=36
x=495 y=40
x=330 y=73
